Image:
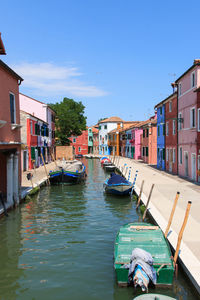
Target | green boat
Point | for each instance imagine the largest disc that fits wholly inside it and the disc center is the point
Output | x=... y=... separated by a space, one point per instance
x=149 y=238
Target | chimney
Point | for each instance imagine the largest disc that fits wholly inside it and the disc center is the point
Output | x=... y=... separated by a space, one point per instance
x=196 y=61
x=174 y=87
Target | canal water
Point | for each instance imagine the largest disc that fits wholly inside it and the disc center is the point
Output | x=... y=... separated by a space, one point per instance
x=60 y=244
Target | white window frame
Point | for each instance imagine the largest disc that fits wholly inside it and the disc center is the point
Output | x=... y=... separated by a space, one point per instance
x=174 y=155
x=180 y=155
x=170 y=106
x=167 y=154
x=173 y=127
x=198 y=119
x=191 y=117
x=193 y=79
x=180 y=89
x=14 y=104
x=167 y=128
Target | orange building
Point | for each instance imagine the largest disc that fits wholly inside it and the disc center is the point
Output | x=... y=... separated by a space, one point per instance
x=149 y=141
x=10 y=141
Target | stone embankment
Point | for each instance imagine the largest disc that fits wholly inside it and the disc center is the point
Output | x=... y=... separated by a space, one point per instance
x=162 y=199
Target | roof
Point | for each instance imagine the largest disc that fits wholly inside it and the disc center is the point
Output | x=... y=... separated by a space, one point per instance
x=149 y=122
x=165 y=100
x=7 y=68
x=111 y=119
x=95 y=130
x=126 y=125
x=2 y=49
x=190 y=68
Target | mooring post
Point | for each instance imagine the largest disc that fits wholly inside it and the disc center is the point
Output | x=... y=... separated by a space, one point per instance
x=172 y=214
x=48 y=182
x=181 y=231
x=144 y=215
x=129 y=174
x=136 y=174
x=139 y=198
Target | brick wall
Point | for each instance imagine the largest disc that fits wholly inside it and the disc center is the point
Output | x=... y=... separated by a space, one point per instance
x=65 y=152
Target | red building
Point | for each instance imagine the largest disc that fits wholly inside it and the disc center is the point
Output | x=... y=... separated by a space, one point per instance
x=149 y=141
x=10 y=141
x=171 y=127
x=80 y=143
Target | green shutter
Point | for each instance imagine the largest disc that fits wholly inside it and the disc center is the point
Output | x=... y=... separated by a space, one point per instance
x=32 y=153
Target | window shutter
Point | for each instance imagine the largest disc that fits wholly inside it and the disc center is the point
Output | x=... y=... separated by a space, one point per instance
x=32 y=152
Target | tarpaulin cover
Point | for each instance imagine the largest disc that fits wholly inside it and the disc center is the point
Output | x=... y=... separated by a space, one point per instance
x=116 y=179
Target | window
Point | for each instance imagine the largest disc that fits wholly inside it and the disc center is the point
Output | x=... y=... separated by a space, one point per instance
x=143 y=151
x=79 y=149
x=170 y=106
x=193 y=79
x=12 y=109
x=160 y=108
x=147 y=151
x=198 y=112
x=174 y=155
x=99 y=127
x=90 y=130
x=147 y=133
x=109 y=137
x=129 y=136
x=128 y=149
x=167 y=128
x=143 y=132
x=158 y=130
x=179 y=89
x=180 y=155
x=167 y=154
x=174 y=127
x=74 y=140
x=163 y=152
x=163 y=129
x=90 y=138
x=105 y=126
x=100 y=137
x=106 y=148
x=31 y=127
x=192 y=118
x=106 y=137
x=179 y=121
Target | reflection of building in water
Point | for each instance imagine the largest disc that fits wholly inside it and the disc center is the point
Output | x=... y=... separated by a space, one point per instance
x=10 y=251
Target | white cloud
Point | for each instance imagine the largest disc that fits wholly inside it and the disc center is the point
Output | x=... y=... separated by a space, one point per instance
x=47 y=79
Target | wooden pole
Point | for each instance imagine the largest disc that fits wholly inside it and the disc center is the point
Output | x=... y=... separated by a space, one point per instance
x=136 y=174
x=172 y=214
x=181 y=231
x=48 y=182
x=139 y=198
x=144 y=215
x=53 y=157
x=31 y=182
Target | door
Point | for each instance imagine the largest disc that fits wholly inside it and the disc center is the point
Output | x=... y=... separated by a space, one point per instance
x=198 y=172
x=193 y=160
x=186 y=163
x=170 y=160
x=24 y=160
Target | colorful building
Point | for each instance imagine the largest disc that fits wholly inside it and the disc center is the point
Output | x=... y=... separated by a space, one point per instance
x=40 y=138
x=171 y=125
x=198 y=133
x=136 y=141
x=160 y=107
x=95 y=132
x=10 y=139
x=149 y=141
x=105 y=126
x=80 y=143
x=187 y=83
x=90 y=140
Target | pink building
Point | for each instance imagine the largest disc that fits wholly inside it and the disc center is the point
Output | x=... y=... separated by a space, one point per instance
x=187 y=125
x=39 y=137
x=136 y=141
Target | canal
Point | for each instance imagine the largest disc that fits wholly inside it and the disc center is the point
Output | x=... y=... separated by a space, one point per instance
x=59 y=245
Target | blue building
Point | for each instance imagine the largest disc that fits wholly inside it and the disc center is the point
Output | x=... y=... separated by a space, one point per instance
x=160 y=135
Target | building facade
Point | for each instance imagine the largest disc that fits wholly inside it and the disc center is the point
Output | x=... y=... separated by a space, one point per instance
x=187 y=83
x=171 y=126
x=105 y=126
x=160 y=135
x=80 y=143
x=149 y=141
x=10 y=139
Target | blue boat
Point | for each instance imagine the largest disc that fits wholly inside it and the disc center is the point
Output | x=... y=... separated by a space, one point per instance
x=117 y=185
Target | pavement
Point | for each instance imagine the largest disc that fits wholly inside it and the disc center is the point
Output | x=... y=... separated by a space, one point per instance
x=162 y=199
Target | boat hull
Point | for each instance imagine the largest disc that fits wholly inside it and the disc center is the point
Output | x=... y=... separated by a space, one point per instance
x=71 y=177
x=150 y=239
x=55 y=177
x=118 y=189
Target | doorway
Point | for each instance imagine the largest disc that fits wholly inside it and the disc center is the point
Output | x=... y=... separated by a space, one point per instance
x=193 y=161
x=186 y=163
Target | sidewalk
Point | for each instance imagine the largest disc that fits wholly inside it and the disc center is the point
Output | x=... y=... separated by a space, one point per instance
x=162 y=199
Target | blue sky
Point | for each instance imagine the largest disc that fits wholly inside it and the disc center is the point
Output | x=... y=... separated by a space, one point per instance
x=117 y=57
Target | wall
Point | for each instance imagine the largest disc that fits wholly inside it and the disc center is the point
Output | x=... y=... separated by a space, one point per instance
x=65 y=152
x=103 y=142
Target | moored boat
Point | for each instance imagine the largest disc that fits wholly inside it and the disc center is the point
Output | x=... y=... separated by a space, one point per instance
x=153 y=297
x=149 y=238
x=117 y=185
x=55 y=176
x=74 y=172
x=110 y=168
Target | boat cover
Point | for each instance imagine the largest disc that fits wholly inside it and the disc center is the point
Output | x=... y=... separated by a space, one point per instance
x=145 y=261
x=116 y=179
x=76 y=166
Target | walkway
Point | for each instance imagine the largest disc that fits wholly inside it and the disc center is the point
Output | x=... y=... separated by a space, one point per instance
x=160 y=206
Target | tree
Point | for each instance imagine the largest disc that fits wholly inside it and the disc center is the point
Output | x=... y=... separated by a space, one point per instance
x=70 y=119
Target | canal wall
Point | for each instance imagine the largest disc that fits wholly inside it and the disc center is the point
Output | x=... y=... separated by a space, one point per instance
x=162 y=199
